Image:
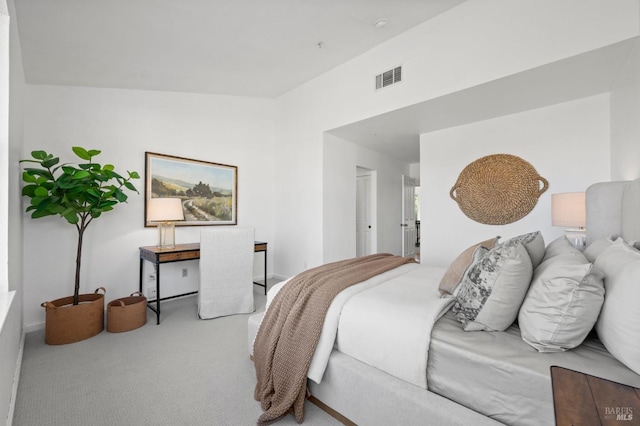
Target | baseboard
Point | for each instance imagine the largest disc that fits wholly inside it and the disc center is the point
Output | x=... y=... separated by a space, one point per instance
x=16 y=381
x=26 y=329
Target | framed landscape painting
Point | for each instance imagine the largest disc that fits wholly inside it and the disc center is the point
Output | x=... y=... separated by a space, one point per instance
x=208 y=191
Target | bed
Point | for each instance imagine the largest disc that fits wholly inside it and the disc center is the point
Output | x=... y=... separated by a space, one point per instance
x=400 y=349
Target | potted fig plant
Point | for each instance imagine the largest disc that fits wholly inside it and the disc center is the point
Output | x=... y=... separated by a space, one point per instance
x=78 y=193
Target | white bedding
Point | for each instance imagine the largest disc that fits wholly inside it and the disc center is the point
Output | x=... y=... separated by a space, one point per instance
x=367 y=316
x=389 y=326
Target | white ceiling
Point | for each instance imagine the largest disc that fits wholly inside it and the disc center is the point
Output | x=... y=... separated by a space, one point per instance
x=257 y=48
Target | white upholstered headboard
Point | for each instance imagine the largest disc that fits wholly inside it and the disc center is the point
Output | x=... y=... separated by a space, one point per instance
x=613 y=208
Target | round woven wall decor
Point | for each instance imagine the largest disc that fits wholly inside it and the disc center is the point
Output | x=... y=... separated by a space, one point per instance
x=498 y=189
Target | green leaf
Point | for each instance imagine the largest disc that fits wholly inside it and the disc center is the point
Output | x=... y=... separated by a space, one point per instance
x=67 y=185
x=29 y=190
x=27 y=177
x=82 y=153
x=108 y=167
x=39 y=172
x=106 y=205
x=39 y=155
x=94 y=192
x=81 y=174
x=41 y=203
x=71 y=216
x=94 y=152
x=43 y=181
x=68 y=170
x=120 y=196
x=41 y=192
x=130 y=186
x=50 y=162
x=36 y=201
x=38 y=214
x=56 y=208
x=133 y=175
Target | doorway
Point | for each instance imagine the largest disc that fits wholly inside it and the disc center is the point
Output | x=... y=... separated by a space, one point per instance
x=410 y=217
x=366 y=236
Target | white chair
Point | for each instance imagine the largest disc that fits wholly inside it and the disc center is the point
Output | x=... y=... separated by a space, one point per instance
x=226 y=272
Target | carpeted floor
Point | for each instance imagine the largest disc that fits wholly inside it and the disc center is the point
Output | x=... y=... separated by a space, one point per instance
x=184 y=371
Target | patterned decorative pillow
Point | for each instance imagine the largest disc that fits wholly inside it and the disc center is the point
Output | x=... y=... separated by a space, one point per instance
x=459 y=266
x=533 y=242
x=493 y=288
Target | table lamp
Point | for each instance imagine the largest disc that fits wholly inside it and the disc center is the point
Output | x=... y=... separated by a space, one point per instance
x=568 y=209
x=165 y=211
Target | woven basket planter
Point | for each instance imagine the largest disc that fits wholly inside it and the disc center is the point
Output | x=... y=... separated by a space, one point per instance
x=127 y=313
x=69 y=323
x=498 y=189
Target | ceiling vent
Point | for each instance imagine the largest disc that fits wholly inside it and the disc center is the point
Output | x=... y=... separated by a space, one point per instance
x=388 y=78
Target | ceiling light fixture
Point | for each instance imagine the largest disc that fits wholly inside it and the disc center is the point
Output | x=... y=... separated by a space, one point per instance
x=381 y=23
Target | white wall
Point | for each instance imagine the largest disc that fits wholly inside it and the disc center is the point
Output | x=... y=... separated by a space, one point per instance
x=625 y=120
x=471 y=44
x=124 y=124
x=11 y=301
x=4 y=141
x=567 y=144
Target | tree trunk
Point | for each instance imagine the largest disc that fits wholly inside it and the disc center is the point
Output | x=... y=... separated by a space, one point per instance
x=76 y=290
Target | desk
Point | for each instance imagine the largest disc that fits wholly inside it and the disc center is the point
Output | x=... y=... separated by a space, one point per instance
x=179 y=253
x=582 y=399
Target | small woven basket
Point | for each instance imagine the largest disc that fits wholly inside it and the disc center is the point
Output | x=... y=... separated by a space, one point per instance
x=498 y=189
x=127 y=313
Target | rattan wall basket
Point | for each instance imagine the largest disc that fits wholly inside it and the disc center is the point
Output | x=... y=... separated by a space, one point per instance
x=498 y=189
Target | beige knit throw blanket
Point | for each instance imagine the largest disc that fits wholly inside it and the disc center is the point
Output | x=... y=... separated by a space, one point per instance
x=290 y=330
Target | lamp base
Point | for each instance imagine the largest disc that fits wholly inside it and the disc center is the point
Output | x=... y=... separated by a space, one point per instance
x=166 y=235
x=577 y=237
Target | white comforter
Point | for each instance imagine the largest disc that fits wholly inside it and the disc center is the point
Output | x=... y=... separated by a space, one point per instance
x=385 y=322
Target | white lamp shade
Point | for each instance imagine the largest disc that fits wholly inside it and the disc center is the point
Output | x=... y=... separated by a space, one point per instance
x=164 y=209
x=568 y=209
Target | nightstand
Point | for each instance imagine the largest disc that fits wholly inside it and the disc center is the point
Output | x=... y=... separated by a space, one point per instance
x=582 y=400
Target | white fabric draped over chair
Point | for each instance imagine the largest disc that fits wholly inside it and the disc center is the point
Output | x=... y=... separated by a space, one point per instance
x=226 y=272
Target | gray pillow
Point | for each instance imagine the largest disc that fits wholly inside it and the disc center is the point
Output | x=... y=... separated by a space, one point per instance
x=618 y=326
x=533 y=242
x=562 y=304
x=560 y=246
x=598 y=246
x=491 y=292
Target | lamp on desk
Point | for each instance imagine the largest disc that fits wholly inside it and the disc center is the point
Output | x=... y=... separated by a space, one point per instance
x=165 y=211
x=568 y=209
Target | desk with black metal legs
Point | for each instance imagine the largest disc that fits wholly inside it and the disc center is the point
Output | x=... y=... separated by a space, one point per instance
x=179 y=253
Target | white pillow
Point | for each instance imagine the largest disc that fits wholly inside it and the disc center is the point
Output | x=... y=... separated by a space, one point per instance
x=561 y=246
x=533 y=242
x=491 y=292
x=598 y=246
x=619 y=324
x=562 y=304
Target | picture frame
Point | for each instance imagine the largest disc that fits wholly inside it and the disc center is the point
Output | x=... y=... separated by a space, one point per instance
x=209 y=191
